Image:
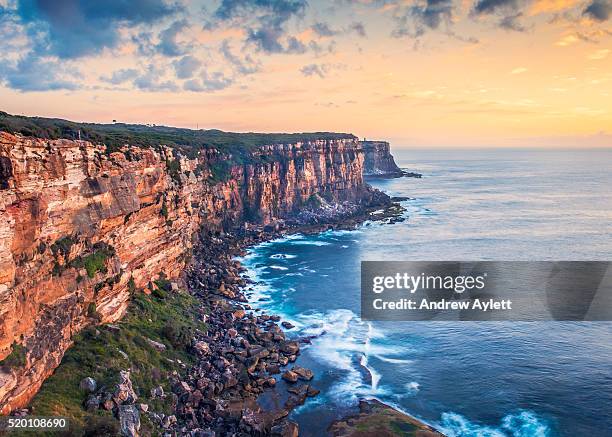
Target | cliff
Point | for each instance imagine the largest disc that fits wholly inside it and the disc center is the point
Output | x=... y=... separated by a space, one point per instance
x=82 y=226
x=378 y=159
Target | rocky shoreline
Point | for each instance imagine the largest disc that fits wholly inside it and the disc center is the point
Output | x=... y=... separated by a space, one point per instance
x=376 y=419
x=245 y=352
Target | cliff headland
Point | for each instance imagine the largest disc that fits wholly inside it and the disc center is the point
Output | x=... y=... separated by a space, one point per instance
x=120 y=239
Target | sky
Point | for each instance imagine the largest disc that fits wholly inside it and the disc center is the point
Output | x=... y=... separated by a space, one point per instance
x=418 y=73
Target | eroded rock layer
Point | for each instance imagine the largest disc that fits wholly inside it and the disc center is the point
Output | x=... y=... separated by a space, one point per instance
x=80 y=229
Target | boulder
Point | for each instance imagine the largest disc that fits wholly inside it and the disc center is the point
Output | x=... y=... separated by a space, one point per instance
x=160 y=347
x=202 y=347
x=129 y=420
x=303 y=373
x=88 y=384
x=290 y=376
x=290 y=348
x=125 y=394
x=285 y=429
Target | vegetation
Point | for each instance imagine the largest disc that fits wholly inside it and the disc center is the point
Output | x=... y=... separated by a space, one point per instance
x=17 y=357
x=62 y=246
x=117 y=135
x=101 y=352
x=96 y=261
x=174 y=169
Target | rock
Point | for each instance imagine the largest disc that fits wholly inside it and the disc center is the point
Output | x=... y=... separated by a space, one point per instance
x=169 y=421
x=157 y=392
x=239 y=314
x=290 y=376
x=144 y=407
x=183 y=387
x=285 y=429
x=88 y=384
x=124 y=394
x=290 y=348
x=305 y=374
x=92 y=403
x=312 y=392
x=156 y=345
x=129 y=420
x=288 y=325
x=202 y=347
x=253 y=421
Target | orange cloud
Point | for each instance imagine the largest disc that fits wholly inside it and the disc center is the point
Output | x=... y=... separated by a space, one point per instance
x=548 y=6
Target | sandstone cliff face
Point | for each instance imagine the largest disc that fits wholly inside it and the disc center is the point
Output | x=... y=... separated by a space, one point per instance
x=378 y=159
x=80 y=229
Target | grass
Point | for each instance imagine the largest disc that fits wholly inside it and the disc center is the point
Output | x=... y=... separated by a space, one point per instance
x=100 y=352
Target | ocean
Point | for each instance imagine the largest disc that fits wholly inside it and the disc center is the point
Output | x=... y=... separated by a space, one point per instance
x=466 y=378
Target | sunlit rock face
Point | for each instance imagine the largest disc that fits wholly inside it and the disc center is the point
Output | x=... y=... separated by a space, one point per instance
x=80 y=228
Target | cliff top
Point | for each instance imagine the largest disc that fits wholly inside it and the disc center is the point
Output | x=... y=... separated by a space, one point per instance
x=188 y=141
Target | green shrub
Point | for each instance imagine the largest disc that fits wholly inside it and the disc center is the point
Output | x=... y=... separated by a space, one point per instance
x=96 y=262
x=101 y=426
x=62 y=246
x=174 y=169
x=17 y=357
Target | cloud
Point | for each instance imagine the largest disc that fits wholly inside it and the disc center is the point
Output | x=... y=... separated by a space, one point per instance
x=265 y=22
x=323 y=29
x=548 y=6
x=209 y=82
x=186 y=67
x=519 y=70
x=599 y=10
x=512 y=22
x=121 y=76
x=358 y=28
x=275 y=10
x=168 y=45
x=71 y=29
x=509 y=12
x=413 y=20
x=244 y=66
x=321 y=70
x=483 y=7
x=32 y=73
x=314 y=70
x=151 y=80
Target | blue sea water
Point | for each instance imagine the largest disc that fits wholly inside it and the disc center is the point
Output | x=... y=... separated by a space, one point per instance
x=466 y=378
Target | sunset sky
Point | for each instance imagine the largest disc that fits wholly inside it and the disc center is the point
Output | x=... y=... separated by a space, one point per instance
x=417 y=73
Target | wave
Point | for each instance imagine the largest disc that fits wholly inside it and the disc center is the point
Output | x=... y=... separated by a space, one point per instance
x=278 y=267
x=309 y=243
x=413 y=387
x=521 y=424
x=283 y=256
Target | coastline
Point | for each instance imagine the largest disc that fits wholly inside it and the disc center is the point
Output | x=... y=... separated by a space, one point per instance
x=246 y=339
